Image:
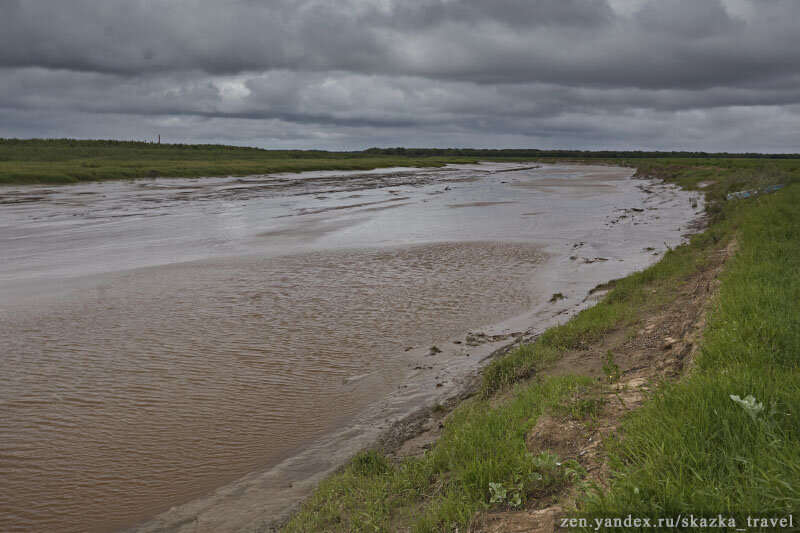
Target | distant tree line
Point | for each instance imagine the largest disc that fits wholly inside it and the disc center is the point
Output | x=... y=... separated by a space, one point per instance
x=580 y=154
x=60 y=149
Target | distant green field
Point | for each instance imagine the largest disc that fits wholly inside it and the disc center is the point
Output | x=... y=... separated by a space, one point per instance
x=72 y=161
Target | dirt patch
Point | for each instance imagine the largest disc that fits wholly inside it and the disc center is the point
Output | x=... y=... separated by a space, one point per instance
x=517 y=522
x=662 y=347
x=476 y=339
x=564 y=437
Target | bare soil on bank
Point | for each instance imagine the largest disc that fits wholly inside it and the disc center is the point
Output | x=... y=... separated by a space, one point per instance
x=662 y=347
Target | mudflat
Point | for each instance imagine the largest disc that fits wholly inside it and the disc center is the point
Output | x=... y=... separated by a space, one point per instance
x=165 y=338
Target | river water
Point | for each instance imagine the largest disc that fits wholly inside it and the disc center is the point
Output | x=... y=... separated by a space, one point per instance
x=208 y=348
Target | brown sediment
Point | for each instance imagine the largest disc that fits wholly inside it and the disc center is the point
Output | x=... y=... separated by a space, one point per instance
x=480 y=204
x=246 y=363
x=572 y=183
x=415 y=434
x=307 y=229
x=382 y=208
x=662 y=348
x=516 y=169
x=350 y=206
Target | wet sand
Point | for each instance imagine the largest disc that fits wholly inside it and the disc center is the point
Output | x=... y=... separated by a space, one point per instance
x=270 y=327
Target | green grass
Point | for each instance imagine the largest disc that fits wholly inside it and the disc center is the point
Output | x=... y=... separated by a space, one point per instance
x=480 y=444
x=690 y=449
x=584 y=403
x=64 y=161
x=71 y=161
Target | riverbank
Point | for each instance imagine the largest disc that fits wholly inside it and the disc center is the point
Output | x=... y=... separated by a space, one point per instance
x=495 y=464
x=69 y=161
x=592 y=224
x=397 y=261
x=65 y=161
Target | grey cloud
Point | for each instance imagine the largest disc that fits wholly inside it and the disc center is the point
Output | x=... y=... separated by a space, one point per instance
x=669 y=42
x=136 y=36
x=513 y=13
x=340 y=97
x=688 y=19
x=354 y=73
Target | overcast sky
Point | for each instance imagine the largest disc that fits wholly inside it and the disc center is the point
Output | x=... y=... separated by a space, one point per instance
x=713 y=75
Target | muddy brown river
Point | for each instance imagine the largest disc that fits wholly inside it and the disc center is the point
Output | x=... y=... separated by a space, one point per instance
x=192 y=355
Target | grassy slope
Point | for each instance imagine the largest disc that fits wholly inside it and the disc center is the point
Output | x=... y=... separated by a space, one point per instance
x=690 y=449
x=71 y=161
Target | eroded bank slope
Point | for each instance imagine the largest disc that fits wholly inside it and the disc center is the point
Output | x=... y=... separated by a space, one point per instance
x=524 y=449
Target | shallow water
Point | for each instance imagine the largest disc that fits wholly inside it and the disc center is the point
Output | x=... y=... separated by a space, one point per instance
x=162 y=338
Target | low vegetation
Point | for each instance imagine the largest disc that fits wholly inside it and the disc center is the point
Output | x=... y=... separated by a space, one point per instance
x=696 y=446
x=72 y=161
x=531 y=153
x=64 y=161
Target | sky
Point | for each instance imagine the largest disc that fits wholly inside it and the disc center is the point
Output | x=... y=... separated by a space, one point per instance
x=710 y=75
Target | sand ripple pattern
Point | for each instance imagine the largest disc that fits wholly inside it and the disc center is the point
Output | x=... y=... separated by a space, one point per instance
x=154 y=388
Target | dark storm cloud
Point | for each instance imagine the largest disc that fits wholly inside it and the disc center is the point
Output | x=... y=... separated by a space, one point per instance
x=424 y=14
x=352 y=73
x=670 y=42
x=136 y=36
